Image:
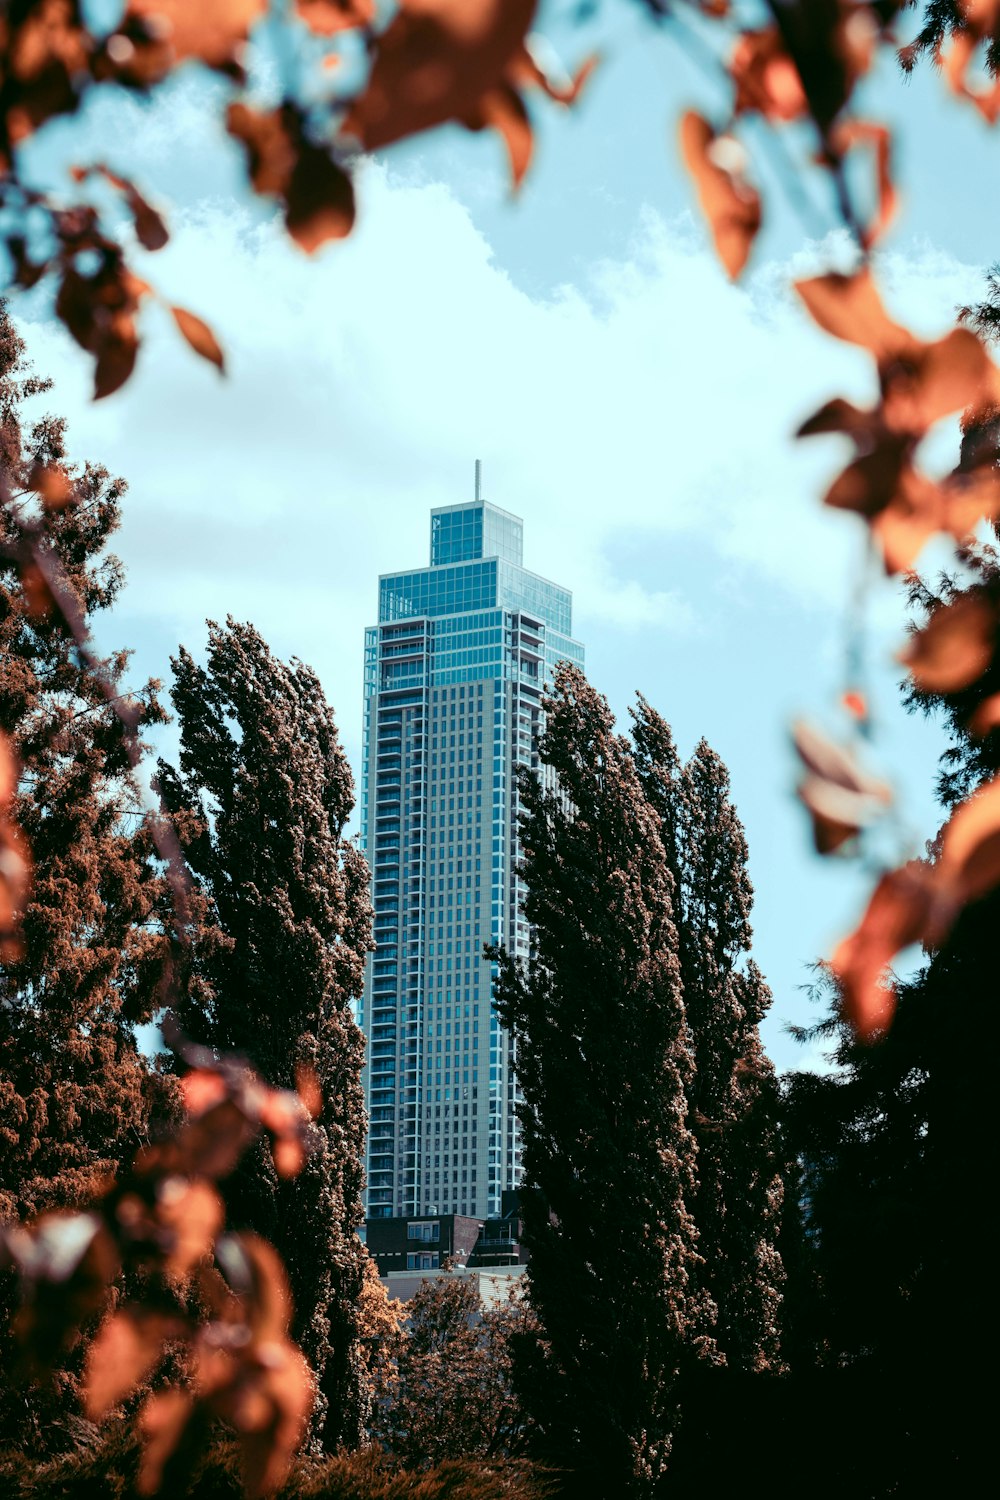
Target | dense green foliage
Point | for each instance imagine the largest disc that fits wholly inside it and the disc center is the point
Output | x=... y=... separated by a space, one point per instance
x=262 y=797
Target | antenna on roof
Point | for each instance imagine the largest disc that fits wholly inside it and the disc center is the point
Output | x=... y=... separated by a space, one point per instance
x=479 y=479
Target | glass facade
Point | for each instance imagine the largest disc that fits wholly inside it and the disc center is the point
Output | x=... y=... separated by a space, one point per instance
x=454 y=675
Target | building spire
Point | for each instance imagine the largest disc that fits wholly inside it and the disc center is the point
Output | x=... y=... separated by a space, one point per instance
x=479 y=479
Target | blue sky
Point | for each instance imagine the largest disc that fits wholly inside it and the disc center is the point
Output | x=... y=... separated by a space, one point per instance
x=626 y=401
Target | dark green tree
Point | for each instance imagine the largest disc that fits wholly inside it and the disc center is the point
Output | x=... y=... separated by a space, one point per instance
x=262 y=798
x=732 y=1093
x=604 y=1062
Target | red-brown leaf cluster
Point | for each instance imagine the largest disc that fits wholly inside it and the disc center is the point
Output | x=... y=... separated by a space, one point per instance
x=918 y=903
x=15 y=870
x=920 y=383
x=165 y=1219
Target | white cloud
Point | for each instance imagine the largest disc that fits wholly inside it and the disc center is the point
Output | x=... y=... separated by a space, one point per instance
x=639 y=420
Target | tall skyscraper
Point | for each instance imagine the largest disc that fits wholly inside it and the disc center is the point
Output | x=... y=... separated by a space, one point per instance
x=454 y=675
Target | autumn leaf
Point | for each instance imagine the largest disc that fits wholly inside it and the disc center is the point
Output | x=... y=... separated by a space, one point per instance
x=730 y=205
x=52 y=485
x=190 y=1215
x=434 y=63
x=328 y=17
x=980 y=22
x=209 y=33
x=895 y=918
x=199 y=336
x=954 y=648
x=850 y=308
x=969 y=863
x=125 y=1348
x=317 y=193
x=850 y=133
x=841 y=797
x=986 y=718
x=765 y=77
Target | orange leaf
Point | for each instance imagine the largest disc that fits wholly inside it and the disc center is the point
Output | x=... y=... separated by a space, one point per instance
x=986 y=717
x=969 y=863
x=433 y=63
x=503 y=109
x=212 y=33
x=327 y=17
x=766 y=78
x=199 y=336
x=126 y=1347
x=163 y=1421
x=926 y=382
x=896 y=917
x=954 y=648
x=52 y=484
x=730 y=205
x=850 y=308
x=191 y=1215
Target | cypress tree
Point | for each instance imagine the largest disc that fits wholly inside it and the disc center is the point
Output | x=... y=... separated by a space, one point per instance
x=262 y=798
x=75 y=1092
x=732 y=1093
x=603 y=1059
x=72 y=1082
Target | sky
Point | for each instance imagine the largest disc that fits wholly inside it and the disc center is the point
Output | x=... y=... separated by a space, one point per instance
x=628 y=402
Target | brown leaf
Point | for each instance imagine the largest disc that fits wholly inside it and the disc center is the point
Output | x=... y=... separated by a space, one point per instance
x=38 y=598
x=503 y=109
x=199 y=336
x=922 y=383
x=954 y=648
x=980 y=23
x=433 y=63
x=328 y=17
x=210 y=33
x=851 y=133
x=730 y=205
x=317 y=193
x=896 y=917
x=766 y=79
x=840 y=795
x=53 y=485
x=310 y=1093
x=191 y=1215
x=969 y=863
x=850 y=308
x=9 y=777
x=126 y=1347
x=270 y=1435
x=116 y=357
x=986 y=718
x=163 y=1422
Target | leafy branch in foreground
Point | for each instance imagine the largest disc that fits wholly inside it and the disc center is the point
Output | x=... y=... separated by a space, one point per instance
x=218 y=1302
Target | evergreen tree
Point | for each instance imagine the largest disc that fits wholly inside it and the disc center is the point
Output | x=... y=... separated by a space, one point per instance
x=896 y=1149
x=75 y=1092
x=72 y=1082
x=732 y=1094
x=604 y=1059
x=262 y=797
